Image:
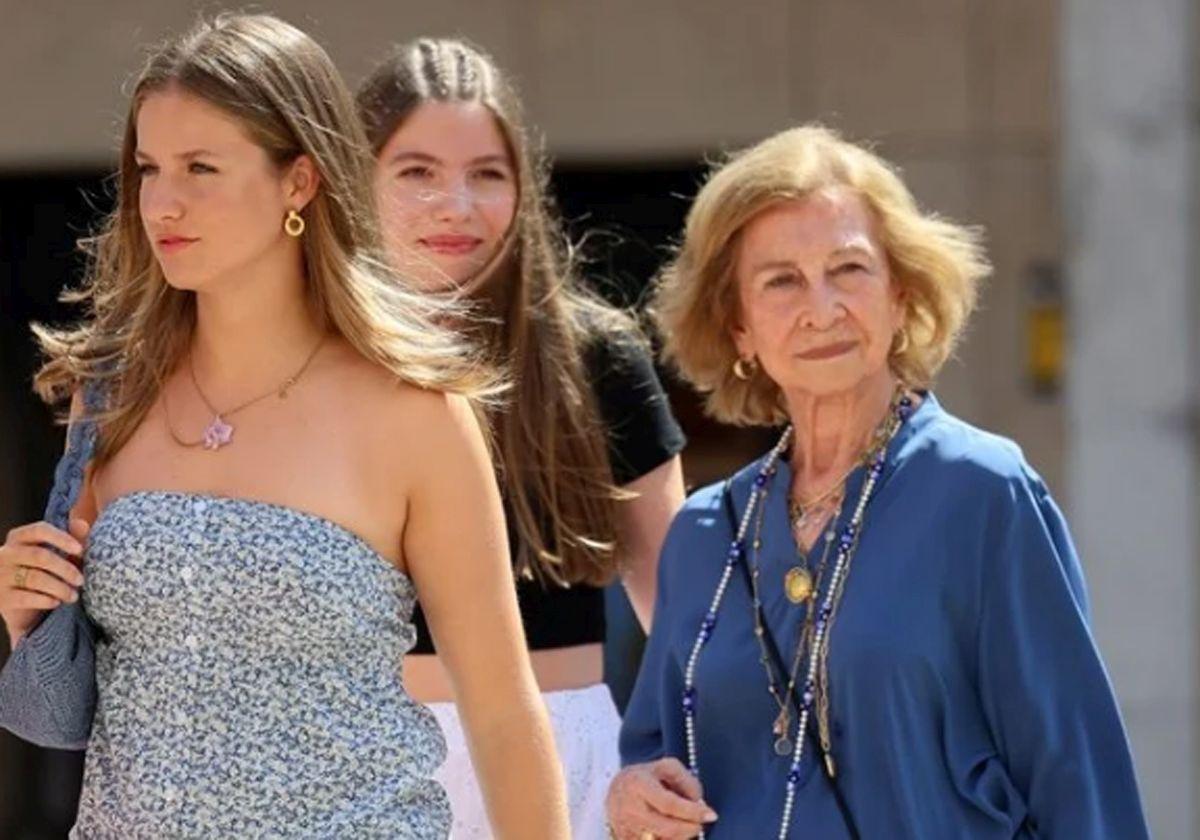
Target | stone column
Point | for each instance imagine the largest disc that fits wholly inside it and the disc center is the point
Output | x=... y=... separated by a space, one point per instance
x=1131 y=228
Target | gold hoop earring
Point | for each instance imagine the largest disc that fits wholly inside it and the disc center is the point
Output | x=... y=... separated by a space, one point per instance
x=900 y=342
x=293 y=224
x=744 y=369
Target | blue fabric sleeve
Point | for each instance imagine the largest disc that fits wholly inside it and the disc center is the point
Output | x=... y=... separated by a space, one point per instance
x=1044 y=690
x=659 y=680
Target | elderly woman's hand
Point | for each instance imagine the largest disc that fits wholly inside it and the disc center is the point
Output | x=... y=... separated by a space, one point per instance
x=659 y=800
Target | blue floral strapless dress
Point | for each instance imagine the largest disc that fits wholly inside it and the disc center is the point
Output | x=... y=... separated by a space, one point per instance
x=249 y=679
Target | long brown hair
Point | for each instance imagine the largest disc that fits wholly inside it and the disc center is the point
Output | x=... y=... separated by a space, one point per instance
x=284 y=90
x=538 y=321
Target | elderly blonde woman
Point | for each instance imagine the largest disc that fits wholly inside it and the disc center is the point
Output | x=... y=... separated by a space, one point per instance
x=879 y=628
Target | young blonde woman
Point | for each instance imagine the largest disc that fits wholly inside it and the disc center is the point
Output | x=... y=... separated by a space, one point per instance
x=587 y=447
x=288 y=458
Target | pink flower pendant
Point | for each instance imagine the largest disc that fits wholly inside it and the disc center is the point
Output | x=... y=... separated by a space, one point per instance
x=218 y=434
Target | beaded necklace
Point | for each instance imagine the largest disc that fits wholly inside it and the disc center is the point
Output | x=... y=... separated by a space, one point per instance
x=847 y=542
x=780 y=728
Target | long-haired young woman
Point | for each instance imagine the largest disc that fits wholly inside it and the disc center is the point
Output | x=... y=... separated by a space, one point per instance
x=287 y=459
x=587 y=447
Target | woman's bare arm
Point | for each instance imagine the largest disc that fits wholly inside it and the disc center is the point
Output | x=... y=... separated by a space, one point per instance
x=644 y=522
x=456 y=550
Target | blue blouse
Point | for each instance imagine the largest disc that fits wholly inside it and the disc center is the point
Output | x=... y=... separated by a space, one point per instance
x=968 y=698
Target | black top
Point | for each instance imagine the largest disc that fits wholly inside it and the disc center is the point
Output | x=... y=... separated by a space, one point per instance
x=642 y=435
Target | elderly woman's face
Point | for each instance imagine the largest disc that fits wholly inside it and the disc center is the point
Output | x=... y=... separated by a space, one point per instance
x=818 y=306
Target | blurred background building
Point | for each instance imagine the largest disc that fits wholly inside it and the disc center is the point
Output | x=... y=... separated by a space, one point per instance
x=1067 y=128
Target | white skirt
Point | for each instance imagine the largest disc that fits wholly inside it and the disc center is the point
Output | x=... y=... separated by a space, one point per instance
x=586 y=726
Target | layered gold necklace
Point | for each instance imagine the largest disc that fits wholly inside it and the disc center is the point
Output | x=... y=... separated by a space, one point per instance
x=808 y=517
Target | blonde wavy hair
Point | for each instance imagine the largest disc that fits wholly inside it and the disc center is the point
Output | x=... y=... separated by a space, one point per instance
x=285 y=92
x=937 y=266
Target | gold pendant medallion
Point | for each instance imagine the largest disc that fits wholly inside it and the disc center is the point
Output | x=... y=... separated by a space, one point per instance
x=798 y=585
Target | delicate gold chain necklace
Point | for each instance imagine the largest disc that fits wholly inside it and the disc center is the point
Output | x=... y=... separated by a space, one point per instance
x=782 y=725
x=800 y=585
x=825 y=494
x=219 y=432
x=803 y=514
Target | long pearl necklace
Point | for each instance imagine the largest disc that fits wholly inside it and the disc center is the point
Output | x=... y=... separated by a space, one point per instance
x=847 y=542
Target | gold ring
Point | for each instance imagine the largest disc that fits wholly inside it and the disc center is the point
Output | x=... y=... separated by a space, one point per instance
x=19 y=578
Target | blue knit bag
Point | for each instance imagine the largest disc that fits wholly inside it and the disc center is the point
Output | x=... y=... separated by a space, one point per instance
x=48 y=684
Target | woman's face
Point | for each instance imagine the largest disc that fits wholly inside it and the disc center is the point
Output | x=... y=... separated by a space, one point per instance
x=211 y=201
x=818 y=307
x=446 y=190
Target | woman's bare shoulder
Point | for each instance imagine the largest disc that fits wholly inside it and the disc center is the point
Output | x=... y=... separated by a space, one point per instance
x=415 y=422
